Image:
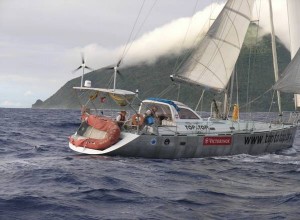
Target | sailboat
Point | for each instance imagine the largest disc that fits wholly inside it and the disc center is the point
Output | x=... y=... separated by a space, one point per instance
x=163 y=128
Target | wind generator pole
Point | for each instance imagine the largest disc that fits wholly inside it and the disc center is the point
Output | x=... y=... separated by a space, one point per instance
x=275 y=64
x=82 y=76
x=115 y=77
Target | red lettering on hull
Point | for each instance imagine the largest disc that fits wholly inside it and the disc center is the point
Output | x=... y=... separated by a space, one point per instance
x=217 y=140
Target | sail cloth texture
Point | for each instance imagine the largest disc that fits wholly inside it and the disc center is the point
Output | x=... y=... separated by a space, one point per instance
x=294 y=21
x=212 y=61
x=290 y=78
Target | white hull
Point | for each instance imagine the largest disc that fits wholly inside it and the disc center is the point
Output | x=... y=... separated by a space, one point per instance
x=125 y=139
x=198 y=145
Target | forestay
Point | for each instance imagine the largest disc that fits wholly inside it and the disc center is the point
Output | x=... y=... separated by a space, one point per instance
x=212 y=61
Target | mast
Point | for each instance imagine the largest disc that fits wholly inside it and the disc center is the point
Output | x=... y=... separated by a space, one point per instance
x=225 y=105
x=274 y=52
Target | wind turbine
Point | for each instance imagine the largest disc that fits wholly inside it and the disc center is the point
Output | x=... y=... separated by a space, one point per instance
x=115 y=68
x=83 y=66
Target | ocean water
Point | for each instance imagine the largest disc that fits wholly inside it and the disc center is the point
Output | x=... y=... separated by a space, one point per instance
x=41 y=178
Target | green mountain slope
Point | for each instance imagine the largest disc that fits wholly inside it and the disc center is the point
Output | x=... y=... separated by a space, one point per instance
x=152 y=80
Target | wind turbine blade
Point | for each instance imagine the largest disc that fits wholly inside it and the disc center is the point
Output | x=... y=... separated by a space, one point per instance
x=89 y=68
x=82 y=58
x=109 y=68
x=120 y=74
x=76 y=69
x=118 y=64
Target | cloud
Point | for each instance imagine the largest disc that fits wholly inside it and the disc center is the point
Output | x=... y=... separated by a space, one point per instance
x=261 y=12
x=180 y=34
x=171 y=38
x=10 y=104
x=28 y=93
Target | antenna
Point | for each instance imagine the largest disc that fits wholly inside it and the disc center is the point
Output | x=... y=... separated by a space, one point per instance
x=83 y=66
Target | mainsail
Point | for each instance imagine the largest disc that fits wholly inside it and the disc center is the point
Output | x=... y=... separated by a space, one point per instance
x=290 y=78
x=212 y=61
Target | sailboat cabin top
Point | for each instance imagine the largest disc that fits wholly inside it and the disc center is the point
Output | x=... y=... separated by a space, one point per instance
x=168 y=110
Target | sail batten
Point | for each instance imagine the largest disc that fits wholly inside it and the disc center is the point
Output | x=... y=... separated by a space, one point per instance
x=212 y=61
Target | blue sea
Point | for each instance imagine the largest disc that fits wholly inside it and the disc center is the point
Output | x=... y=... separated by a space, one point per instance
x=41 y=178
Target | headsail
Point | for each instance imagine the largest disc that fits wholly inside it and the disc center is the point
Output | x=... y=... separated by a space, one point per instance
x=213 y=59
x=290 y=78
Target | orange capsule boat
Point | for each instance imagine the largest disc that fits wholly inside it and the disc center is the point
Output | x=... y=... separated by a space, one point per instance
x=96 y=132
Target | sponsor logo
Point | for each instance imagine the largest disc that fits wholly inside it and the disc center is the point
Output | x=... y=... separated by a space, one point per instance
x=280 y=137
x=223 y=140
x=196 y=127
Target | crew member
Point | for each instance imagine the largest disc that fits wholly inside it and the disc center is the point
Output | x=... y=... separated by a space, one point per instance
x=150 y=115
x=121 y=118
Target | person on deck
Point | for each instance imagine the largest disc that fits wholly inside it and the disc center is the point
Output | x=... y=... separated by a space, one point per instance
x=150 y=115
x=121 y=118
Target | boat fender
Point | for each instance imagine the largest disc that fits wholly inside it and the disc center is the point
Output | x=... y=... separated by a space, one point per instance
x=137 y=119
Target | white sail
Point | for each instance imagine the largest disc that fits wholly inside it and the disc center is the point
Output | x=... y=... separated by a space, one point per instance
x=290 y=78
x=294 y=21
x=212 y=61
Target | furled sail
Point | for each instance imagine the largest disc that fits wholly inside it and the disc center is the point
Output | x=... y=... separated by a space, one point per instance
x=290 y=78
x=212 y=61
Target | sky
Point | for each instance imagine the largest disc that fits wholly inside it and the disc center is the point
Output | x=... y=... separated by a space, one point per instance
x=41 y=40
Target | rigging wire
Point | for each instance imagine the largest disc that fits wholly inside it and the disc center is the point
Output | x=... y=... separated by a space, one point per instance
x=200 y=100
x=248 y=104
x=188 y=52
x=185 y=36
x=165 y=91
x=140 y=28
x=258 y=97
x=136 y=20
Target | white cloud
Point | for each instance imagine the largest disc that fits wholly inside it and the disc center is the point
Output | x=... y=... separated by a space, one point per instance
x=28 y=93
x=170 y=38
x=10 y=104
x=262 y=12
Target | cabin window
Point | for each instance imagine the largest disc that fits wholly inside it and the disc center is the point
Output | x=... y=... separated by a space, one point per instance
x=187 y=114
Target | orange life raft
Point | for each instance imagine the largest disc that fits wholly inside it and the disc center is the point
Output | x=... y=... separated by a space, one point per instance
x=103 y=124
